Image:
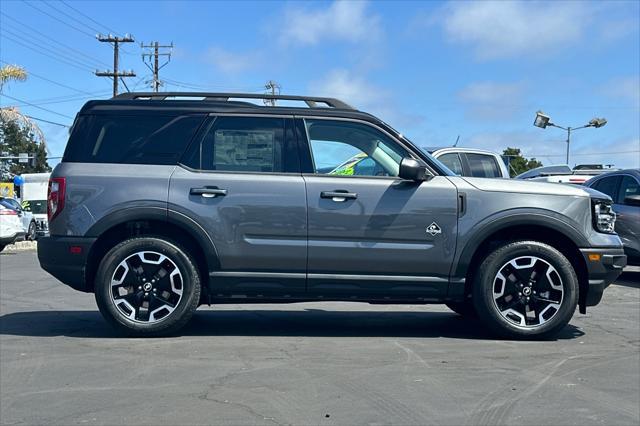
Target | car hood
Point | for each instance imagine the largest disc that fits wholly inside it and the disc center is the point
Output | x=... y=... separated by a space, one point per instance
x=527 y=187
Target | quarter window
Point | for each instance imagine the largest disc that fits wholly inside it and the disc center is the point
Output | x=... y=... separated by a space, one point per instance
x=607 y=186
x=345 y=148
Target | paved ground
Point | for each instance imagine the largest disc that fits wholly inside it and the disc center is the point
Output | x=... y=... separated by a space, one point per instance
x=308 y=364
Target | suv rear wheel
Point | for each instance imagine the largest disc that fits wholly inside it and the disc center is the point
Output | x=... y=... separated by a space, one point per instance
x=526 y=289
x=147 y=286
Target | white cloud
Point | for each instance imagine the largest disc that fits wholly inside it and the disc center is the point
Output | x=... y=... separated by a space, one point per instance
x=343 y=21
x=497 y=29
x=349 y=87
x=489 y=99
x=232 y=62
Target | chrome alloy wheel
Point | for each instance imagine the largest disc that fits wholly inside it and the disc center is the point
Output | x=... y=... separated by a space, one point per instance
x=528 y=291
x=146 y=287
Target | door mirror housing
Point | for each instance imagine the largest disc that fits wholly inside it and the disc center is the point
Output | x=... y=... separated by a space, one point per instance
x=632 y=200
x=412 y=169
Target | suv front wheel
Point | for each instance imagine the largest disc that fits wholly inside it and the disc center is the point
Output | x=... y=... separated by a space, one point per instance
x=147 y=286
x=526 y=289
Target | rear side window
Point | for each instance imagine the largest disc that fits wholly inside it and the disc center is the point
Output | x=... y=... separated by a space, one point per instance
x=628 y=187
x=246 y=144
x=607 y=186
x=483 y=166
x=135 y=139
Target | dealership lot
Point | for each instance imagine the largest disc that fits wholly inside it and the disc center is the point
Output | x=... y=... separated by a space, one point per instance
x=312 y=363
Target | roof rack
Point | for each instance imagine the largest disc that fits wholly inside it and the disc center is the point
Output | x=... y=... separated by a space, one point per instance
x=311 y=101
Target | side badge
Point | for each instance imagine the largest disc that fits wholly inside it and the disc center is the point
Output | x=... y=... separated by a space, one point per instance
x=434 y=229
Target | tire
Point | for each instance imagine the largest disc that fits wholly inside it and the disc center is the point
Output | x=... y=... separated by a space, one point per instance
x=465 y=309
x=525 y=289
x=31 y=232
x=134 y=265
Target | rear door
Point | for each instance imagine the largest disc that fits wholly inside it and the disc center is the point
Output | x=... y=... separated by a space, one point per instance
x=372 y=234
x=241 y=183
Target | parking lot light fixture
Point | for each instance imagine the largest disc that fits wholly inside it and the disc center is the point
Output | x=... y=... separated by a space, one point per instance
x=543 y=121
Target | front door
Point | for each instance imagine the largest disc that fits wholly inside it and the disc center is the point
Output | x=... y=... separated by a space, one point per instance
x=372 y=234
x=242 y=185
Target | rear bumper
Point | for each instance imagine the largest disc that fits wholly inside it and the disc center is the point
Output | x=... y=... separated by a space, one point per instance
x=601 y=271
x=66 y=258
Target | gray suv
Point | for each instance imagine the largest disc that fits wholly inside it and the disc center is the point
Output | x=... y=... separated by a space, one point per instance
x=165 y=201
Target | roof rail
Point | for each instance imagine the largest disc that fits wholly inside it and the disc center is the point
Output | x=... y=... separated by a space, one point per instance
x=311 y=101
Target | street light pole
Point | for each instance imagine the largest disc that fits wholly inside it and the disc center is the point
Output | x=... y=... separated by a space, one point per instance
x=543 y=121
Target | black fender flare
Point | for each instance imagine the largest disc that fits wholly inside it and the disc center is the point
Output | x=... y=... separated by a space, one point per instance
x=534 y=217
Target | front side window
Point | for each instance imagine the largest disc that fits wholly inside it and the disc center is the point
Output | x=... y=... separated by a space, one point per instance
x=244 y=144
x=452 y=161
x=345 y=148
x=607 y=186
x=628 y=187
x=483 y=166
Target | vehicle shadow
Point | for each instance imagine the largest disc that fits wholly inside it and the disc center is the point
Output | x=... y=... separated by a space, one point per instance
x=299 y=323
x=629 y=279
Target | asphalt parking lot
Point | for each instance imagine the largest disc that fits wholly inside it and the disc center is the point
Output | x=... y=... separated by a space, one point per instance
x=308 y=364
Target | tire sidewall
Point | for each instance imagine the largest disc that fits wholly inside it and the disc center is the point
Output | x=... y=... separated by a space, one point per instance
x=483 y=289
x=190 y=284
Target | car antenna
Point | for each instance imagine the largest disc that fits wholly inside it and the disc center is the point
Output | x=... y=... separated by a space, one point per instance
x=457 y=140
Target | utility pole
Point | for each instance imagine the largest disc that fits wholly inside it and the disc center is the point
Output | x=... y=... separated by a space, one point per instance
x=155 y=67
x=115 y=74
x=273 y=88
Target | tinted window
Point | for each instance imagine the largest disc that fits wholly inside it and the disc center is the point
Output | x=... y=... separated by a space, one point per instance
x=452 y=161
x=607 y=186
x=629 y=186
x=352 y=149
x=483 y=166
x=141 y=139
x=245 y=144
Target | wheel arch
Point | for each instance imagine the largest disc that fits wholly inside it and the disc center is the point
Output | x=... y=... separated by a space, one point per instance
x=151 y=221
x=523 y=226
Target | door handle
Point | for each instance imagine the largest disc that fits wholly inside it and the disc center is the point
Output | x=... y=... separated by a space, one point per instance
x=339 y=195
x=208 y=192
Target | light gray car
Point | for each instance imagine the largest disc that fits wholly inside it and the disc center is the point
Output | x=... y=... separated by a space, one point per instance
x=623 y=186
x=164 y=201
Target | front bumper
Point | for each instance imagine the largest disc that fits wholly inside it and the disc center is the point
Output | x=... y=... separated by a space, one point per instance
x=604 y=265
x=66 y=259
x=10 y=239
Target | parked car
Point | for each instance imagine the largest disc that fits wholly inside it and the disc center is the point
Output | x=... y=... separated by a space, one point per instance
x=33 y=194
x=623 y=187
x=28 y=221
x=164 y=201
x=11 y=228
x=471 y=162
x=562 y=173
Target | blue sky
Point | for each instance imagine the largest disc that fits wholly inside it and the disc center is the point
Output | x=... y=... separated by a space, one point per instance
x=433 y=70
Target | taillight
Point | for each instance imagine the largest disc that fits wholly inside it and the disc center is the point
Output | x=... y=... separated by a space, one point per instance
x=55 y=197
x=8 y=212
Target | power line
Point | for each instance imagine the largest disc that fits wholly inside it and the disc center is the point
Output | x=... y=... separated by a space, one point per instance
x=47 y=121
x=70 y=17
x=115 y=74
x=88 y=17
x=36 y=106
x=59 y=20
x=62 y=100
x=32 y=74
x=64 y=61
x=47 y=39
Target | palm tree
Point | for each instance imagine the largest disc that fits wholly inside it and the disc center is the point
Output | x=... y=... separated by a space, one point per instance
x=10 y=73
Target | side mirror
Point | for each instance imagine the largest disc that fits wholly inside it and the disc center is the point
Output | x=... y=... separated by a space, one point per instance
x=632 y=200
x=412 y=169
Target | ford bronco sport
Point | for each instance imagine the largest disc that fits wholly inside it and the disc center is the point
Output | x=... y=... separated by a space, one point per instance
x=165 y=201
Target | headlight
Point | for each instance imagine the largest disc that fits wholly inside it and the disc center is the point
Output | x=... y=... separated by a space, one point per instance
x=604 y=218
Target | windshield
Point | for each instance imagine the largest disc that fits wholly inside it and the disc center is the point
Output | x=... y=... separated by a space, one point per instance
x=35 y=206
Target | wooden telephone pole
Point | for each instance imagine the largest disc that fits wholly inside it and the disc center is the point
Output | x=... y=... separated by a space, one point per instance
x=152 y=61
x=115 y=74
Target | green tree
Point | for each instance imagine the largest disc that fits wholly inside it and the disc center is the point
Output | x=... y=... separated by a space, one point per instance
x=16 y=139
x=519 y=163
